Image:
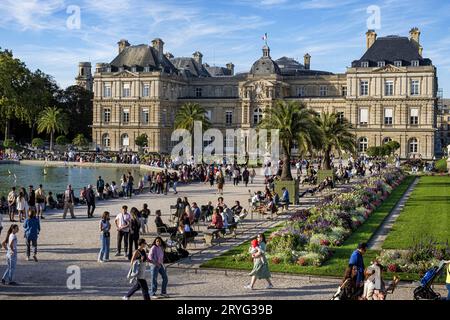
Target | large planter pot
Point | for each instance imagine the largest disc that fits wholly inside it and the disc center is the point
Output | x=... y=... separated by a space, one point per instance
x=292 y=188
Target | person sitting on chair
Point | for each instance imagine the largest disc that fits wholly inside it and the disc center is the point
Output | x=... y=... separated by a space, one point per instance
x=237 y=208
x=161 y=226
x=217 y=221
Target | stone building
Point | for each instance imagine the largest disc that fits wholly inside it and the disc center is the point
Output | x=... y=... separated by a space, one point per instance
x=387 y=94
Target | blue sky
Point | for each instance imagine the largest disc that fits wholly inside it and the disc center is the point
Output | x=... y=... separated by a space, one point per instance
x=333 y=32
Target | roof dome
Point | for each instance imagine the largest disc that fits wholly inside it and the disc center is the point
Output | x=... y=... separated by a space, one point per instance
x=265 y=65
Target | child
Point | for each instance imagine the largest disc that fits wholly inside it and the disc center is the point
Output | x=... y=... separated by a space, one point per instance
x=254 y=247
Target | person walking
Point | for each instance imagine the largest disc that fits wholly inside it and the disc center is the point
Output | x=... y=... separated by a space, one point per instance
x=356 y=259
x=245 y=176
x=31 y=198
x=40 y=202
x=69 y=200
x=124 y=185
x=105 y=237
x=156 y=259
x=10 y=244
x=133 y=235
x=260 y=264
x=175 y=182
x=145 y=213
x=220 y=182
x=122 y=222
x=32 y=227
x=21 y=206
x=100 y=187
x=90 y=201
x=12 y=198
x=252 y=175
x=137 y=271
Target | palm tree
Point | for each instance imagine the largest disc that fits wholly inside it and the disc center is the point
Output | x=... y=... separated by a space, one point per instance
x=295 y=123
x=52 y=120
x=187 y=115
x=336 y=134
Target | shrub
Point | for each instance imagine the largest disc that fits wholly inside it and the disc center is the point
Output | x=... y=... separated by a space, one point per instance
x=441 y=165
x=37 y=143
x=9 y=144
x=61 y=140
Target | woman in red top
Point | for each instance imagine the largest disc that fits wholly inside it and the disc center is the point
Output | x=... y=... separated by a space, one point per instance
x=217 y=221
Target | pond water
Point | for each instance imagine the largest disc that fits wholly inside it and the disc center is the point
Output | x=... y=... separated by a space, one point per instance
x=57 y=178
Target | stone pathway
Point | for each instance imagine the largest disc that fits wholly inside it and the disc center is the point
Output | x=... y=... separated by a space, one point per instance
x=377 y=240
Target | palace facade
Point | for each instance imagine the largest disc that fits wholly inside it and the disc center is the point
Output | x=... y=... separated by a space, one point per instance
x=390 y=93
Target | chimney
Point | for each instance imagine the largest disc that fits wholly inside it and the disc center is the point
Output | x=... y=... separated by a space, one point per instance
x=230 y=66
x=371 y=37
x=169 y=55
x=123 y=44
x=307 y=61
x=414 y=35
x=198 y=57
x=158 y=45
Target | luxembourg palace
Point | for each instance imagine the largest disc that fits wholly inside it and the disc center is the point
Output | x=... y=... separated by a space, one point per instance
x=390 y=93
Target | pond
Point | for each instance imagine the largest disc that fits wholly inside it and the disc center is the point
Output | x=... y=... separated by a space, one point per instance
x=57 y=178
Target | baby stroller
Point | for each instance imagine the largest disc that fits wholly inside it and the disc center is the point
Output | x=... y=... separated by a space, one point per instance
x=424 y=291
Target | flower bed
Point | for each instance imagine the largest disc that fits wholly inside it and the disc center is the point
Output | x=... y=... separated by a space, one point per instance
x=421 y=256
x=309 y=237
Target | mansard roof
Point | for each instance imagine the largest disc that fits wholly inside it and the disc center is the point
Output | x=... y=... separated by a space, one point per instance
x=190 y=67
x=391 y=49
x=142 y=56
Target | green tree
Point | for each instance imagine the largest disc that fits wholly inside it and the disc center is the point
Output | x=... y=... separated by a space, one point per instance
x=394 y=146
x=12 y=79
x=374 y=151
x=187 y=115
x=336 y=135
x=141 y=141
x=52 y=120
x=61 y=140
x=77 y=102
x=80 y=141
x=9 y=144
x=295 y=123
x=37 y=143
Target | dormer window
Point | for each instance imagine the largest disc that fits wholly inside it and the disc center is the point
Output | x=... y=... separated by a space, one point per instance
x=415 y=63
x=364 y=64
x=133 y=68
x=120 y=69
x=381 y=64
x=147 y=69
x=108 y=69
x=398 y=63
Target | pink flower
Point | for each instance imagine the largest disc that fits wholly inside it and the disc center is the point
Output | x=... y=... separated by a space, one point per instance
x=324 y=242
x=392 y=267
x=301 y=261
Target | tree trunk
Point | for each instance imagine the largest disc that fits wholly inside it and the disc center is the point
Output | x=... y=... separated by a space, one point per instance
x=286 y=174
x=51 y=141
x=7 y=129
x=32 y=132
x=326 y=160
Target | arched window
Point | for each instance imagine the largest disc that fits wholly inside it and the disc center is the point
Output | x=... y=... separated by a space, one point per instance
x=363 y=144
x=125 y=140
x=413 y=145
x=106 y=141
x=257 y=115
x=387 y=140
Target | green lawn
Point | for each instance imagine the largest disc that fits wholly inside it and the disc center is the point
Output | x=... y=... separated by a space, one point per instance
x=426 y=214
x=336 y=265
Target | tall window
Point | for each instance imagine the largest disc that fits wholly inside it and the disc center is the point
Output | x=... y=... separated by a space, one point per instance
x=364 y=88
x=415 y=63
x=145 y=117
x=257 y=116
x=107 y=90
x=413 y=145
x=363 y=116
x=126 y=115
x=126 y=90
x=323 y=91
x=125 y=140
x=388 y=115
x=389 y=88
x=344 y=91
x=398 y=63
x=364 y=64
x=414 y=117
x=106 y=141
x=415 y=84
x=301 y=91
x=363 y=144
x=381 y=64
x=229 y=117
x=146 y=90
x=208 y=115
x=107 y=115
x=340 y=117
x=198 y=92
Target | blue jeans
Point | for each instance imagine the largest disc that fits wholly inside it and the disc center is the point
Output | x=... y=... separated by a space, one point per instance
x=175 y=186
x=448 y=290
x=154 y=272
x=104 y=251
x=11 y=262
